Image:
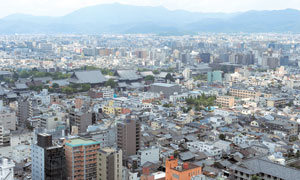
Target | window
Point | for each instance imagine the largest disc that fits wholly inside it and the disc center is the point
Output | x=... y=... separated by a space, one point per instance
x=175 y=176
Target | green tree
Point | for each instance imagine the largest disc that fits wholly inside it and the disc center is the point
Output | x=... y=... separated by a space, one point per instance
x=107 y=72
x=168 y=105
x=15 y=76
x=24 y=74
x=170 y=77
x=67 y=90
x=111 y=83
x=89 y=68
x=155 y=72
x=255 y=178
x=85 y=87
x=149 y=78
x=176 y=154
x=222 y=137
x=55 y=85
x=293 y=138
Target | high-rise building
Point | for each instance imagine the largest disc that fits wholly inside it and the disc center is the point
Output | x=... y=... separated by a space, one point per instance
x=187 y=73
x=215 y=76
x=24 y=110
x=205 y=57
x=184 y=58
x=81 y=120
x=270 y=62
x=81 y=158
x=128 y=136
x=48 y=160
x=284 y=60
x=109 y=164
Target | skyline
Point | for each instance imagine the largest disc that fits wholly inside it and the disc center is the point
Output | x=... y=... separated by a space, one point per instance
x=63 y=7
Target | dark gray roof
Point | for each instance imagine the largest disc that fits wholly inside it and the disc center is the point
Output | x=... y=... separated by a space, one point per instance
x=91 y=77
x=11 y=95
x=5 y=73
x=2 y=91
x=128 y=75
x=21 y=86
x=61 y=82
x=261 y=165
x=186 y=156
x=147 y=73
x=225 y=163
x=43 y=79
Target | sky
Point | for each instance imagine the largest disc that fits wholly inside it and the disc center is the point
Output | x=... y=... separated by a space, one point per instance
x=62 y=7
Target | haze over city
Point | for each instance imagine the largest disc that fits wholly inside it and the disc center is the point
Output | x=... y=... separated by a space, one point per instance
x=63 y=7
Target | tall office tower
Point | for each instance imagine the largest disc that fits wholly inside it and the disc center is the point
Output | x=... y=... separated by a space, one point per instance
x=270 y=62
x=81 y=158
x=81 y=120
x=184 y=58
x=24 y=110
x=205 y=57
x=215 y=76
x=128 y=136
x=248 y=59
x=236 y=58
x=284 y=60
x=48 y=160
x=109 y=164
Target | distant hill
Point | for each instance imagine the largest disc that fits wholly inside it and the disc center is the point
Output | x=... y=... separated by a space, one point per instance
x=119 y=18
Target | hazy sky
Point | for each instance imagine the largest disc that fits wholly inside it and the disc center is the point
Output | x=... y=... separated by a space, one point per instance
x=62 y=7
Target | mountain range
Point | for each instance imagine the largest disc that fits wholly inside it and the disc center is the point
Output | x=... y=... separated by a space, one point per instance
x=120 y=18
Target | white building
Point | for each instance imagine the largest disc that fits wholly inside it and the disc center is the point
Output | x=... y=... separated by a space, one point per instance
x=37 y=163
x=149 y=155
x=6 y=169
x=223 y=112
x=8 y=118
x=44 y=97
x=209 y=148
x=244 y=140
x=224 y=145
x=187 y=73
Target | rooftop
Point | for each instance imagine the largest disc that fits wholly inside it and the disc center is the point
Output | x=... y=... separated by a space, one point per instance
x=81 y=142
x=164 y=84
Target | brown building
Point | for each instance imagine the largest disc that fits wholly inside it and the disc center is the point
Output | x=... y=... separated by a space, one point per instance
x=244 y=93
x=276 y=102
x=225 y=101
x=81 y=120
x=109 y=164
x=128 y=136
x=81 y=158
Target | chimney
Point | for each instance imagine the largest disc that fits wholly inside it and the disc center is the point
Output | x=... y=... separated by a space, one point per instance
x=185 y=165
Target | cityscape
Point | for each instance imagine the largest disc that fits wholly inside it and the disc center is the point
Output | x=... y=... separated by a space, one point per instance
x=173 y=102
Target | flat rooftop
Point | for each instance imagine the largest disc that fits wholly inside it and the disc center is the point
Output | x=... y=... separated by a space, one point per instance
x=81 y=142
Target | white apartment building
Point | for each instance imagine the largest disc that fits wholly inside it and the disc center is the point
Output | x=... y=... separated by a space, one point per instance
x=149 y=155
x=206 y=147
x=6 y=169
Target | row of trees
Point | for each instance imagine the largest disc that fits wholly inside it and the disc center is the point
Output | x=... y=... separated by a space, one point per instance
x=202 y=100
x=72 y=88
x=34 y=73
x=57 y=75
